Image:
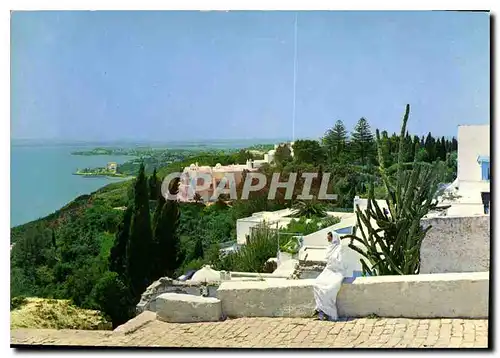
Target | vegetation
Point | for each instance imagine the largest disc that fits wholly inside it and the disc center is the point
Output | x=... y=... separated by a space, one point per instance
x=55 y=314
x=99 y=257
x=100 y=172
x=392 y=247
x=253 y=256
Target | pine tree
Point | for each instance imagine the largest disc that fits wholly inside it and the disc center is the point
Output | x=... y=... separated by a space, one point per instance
x=362 y=142
x=139 y=248
x=167 y=243
x=118 y=253
x=454 y=145
x=335 y=140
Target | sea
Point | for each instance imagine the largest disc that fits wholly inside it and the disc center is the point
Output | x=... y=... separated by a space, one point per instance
x=41 y=179
x=41 y=174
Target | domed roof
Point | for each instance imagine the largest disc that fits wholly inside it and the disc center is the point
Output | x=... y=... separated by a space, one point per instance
x=206 y=274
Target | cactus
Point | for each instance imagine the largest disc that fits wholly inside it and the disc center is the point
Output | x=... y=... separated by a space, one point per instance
x=392 y=246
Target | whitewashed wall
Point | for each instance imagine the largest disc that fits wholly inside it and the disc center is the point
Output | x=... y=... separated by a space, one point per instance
x=473 y=141
x=449 y=295
x=456 y=244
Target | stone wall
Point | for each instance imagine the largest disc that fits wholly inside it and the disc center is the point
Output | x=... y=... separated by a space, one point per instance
x=456 y=244
x=272 y=298
x=167 y=285
x=451 y=295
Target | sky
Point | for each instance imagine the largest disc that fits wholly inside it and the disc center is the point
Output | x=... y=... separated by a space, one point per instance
x=165 y=76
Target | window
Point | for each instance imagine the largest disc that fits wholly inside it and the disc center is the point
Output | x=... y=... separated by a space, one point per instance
x=485 y=171
x=484 y=161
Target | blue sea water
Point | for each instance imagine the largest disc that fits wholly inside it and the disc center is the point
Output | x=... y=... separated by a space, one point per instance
x=41 y=173
x=42 y=181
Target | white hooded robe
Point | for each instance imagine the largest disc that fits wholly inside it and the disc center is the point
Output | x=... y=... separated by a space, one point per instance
x=328 y=283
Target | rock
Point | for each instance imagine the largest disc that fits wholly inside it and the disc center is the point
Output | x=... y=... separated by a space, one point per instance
x=270 y=265
x=183 y=308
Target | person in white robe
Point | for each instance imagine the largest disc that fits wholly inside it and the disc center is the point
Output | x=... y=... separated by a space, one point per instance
x=328 y=283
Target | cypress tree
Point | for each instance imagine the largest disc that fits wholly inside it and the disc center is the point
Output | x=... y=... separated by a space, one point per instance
x=415 y=145
x=157 y=259
x=167 y=243
x=139 y=248
x=438 y=148
x=430 y=147
x=118 y=253
x=362 y=142
x=154 y=186
x=454 y=145
x=386 y=146
x=409 y=150
x=443 y=149
x=448 y=146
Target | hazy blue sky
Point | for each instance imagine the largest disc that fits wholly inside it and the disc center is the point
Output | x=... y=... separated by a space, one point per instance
x=216 y=75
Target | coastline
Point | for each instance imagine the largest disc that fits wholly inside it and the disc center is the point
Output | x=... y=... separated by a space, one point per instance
x=107 y=176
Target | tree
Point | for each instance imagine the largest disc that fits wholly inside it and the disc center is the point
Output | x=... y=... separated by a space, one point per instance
x=198 y=251
x=118 y=253
x=54 y=243
x=166 y=240
x=282 y=155
x=242 y=156
x=154 y=186
x=392 y=246
x=334 y=141
x=309 y=209
x=113 y=298
x=430 y=147
x=442 y=149
x=139 y=248
x=308 y=151
x=362 y=142
x=415 y=146
x=385 y=144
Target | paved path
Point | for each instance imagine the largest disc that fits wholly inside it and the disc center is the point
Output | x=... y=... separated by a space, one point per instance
x=274 y=333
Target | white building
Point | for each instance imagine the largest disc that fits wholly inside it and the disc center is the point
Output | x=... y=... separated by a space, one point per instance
x=269 y=156
x=278 y=219
x=472 y=186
